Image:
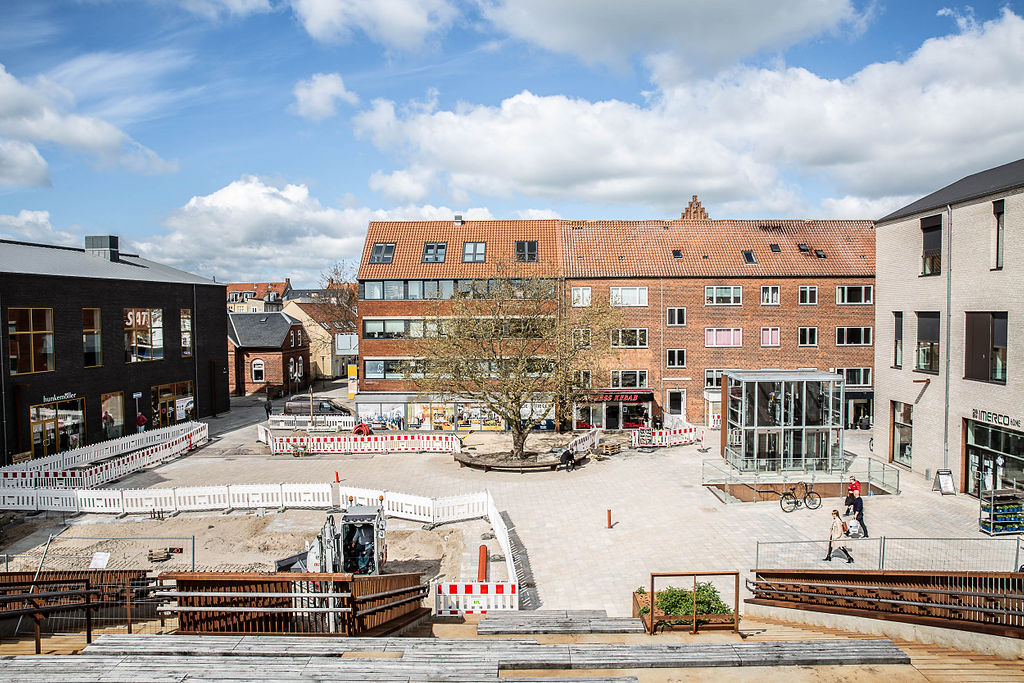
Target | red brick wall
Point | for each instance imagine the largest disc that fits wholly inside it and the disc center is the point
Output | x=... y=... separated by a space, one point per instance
x=275 y=366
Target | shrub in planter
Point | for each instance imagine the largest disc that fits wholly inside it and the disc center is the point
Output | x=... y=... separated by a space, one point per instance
x=679 y=601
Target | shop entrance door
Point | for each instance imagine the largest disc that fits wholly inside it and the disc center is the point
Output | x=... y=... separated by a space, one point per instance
x=981 y=471
x=44 y=437
x=611 y=415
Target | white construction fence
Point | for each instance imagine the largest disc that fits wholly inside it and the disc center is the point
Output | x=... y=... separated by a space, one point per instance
x=382 y=443
x=669 y=437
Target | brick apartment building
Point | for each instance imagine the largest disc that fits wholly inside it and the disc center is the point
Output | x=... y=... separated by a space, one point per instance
x=697 y=296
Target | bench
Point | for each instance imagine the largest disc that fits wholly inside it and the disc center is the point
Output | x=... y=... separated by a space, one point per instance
x=466 y=461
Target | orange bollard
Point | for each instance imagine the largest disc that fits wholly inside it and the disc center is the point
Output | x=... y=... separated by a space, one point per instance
x=609 y=519
x=481 y=571
x=336 y=479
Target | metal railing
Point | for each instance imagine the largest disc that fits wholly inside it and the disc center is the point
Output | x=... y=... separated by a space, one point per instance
x=871 y=473
x=986 y=602
x=897 y=554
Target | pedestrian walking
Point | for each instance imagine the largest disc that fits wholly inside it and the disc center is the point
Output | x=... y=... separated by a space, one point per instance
x=835 y=538
x=268 y=405
x=854 y=486
x=858 y=511
x=140 y=423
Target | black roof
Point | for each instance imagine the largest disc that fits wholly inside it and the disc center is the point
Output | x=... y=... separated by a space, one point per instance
x=998 y=179
x=259 y=330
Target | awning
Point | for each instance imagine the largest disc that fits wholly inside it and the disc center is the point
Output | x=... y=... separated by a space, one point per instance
x=623 y=395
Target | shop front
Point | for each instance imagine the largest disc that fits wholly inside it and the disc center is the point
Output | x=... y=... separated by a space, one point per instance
x=400 y=413
x=172 y=403
x=57 y=424
x=615 y=409
x=994 y=455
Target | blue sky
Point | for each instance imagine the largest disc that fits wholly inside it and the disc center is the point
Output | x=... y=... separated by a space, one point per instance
x=254 y=139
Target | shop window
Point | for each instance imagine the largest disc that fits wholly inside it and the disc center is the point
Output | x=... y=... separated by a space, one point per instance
x=770 y=295
x=985 y=347
x=630 y=338
x=723 y=296
x=56 y=427
x=676 y=358
x=902 y=433
x=897 y=347
x=853 y=336
x=676 y=317
x=580 y=296
x=526 y=251
x=30 y=340
x=627 y=296
x=628 y=379
x=257 y=371
x=848 y=295
x=808 y=295
x=92 y=338
x=927 y=343
x=931 y=239
x=382 y=252
x=112 y=415
x=171 y=403
x=723 y=336
x=807 y=336
x=186 y=332
x=143 y=334
x=769 y=336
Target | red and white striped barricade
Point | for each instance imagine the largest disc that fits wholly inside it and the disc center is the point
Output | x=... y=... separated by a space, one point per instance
x=456 y=599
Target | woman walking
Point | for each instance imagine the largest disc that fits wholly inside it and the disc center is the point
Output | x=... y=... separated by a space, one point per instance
x=835 y=538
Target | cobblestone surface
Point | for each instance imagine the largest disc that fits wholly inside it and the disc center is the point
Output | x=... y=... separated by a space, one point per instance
x=663 y=519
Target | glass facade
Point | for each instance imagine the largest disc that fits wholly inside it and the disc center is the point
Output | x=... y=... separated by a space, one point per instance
x=143 y=334
x=172 y=403
x=780 y=420
x=57 y=426
x=429 y=415
x=112 y=418
x=995 y=458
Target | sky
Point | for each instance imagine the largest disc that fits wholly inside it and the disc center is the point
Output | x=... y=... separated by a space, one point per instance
x=255 y=139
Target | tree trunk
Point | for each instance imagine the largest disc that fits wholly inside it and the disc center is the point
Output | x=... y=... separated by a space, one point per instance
x=518 y=441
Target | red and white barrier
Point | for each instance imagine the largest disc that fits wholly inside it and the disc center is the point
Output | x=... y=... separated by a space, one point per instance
x=456 y=599
x=585 y=442
x=669 y=437
x=378 y=443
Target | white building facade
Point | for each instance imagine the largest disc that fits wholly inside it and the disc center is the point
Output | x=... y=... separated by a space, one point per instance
x=949 y=354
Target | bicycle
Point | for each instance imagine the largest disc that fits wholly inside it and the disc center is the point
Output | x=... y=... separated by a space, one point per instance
x=810 y=499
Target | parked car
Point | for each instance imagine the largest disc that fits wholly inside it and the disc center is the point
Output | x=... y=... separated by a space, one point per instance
x=299 y=405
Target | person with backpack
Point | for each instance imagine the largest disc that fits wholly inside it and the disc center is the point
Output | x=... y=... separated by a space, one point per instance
x=835 y=538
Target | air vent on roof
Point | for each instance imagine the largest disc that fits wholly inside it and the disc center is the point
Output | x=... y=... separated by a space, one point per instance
x=458 y=219
x=677 y=253
x=803 y=248
x=748 y=257
x=775 y=248
x=263 y=319
x=621 y=257
x=819 y=253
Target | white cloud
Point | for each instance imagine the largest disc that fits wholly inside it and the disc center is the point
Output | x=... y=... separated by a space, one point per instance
x=252 y=229
x=215 y=9
x=21 y=164
x=397 y=24
x=537 y=214
x=39 y=114
x=316 y=98
x=698 y=35
x=35 y=226
x=409 y=185
x=891 y=130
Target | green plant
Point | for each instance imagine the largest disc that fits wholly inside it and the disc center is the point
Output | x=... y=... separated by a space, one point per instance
x=640 y=591
x=679 y=602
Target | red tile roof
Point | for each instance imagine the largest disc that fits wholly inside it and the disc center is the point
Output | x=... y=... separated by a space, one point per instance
x=261 y=288
x=500 y=236
x=324 y=313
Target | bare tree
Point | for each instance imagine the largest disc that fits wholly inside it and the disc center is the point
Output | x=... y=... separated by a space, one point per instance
x=514 y=345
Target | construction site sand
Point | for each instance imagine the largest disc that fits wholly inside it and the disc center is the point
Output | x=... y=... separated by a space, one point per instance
x=236 y=543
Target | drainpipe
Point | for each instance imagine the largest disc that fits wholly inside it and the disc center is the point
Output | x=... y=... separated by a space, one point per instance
x=949 y=311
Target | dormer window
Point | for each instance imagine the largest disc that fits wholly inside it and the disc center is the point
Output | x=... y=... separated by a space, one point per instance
x=804 y=249
x=748 y=257
x=433 y=252
x=382 y=252
x=677 y=253
x=474 y=252
x=526 y=251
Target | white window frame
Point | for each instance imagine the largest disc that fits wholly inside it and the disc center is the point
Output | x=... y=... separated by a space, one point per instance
x=804 y=331
x=616 y=379
x=870 y=335
x=669 y=353
x=580 y=297
x=579 y=336
x=778 y=337
x=711 y=300
x=615 y=296
x=668 y=316
x=715 y=375
x=733 y=333
x=841 y=295
x=258 y=364
x=805 y=293
x=769 y=290
x=641 y=338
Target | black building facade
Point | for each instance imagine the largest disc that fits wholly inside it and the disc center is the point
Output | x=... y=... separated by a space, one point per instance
x=95 y=337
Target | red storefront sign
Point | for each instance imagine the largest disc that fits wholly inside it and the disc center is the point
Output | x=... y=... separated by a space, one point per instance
x=625 y=396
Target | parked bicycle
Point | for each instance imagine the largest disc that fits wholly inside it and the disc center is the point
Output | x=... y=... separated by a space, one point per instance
x=789 y=500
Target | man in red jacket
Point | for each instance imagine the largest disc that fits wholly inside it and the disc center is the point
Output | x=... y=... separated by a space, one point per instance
x=140 y=423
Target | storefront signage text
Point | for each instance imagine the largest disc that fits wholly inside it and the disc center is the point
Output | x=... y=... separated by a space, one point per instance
x=628 y=397
x=996 y=418
x=63 y=397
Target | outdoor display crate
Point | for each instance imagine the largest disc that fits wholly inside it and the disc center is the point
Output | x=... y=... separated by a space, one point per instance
x=1001 y=511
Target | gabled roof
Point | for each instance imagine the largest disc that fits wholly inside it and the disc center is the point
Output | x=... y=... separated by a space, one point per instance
x=259 y=330
x=325 y=314
x=500 y=236
x=261 y=289
x=45 y=259
x=999 y=179
x=714 y=248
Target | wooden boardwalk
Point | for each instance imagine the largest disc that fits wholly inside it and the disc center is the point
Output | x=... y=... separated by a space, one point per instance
x=555 y=622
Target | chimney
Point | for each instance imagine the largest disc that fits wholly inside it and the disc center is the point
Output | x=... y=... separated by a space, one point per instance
x=102 y=246
x=458 y=219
